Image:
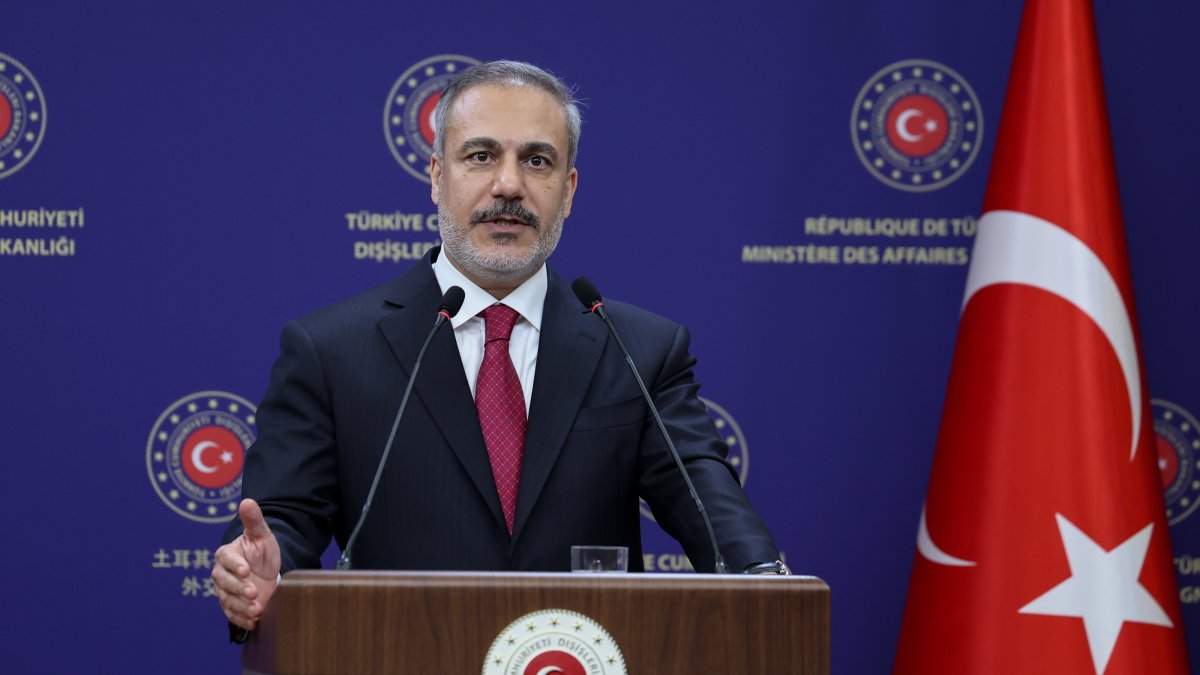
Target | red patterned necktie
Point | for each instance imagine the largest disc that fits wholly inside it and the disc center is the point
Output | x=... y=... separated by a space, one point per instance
x=501 y=405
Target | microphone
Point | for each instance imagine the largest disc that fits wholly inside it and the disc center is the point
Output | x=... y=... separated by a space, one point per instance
x=451 y=302
x=590 y=297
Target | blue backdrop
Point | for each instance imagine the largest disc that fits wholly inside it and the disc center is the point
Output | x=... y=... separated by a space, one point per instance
x=177 y=180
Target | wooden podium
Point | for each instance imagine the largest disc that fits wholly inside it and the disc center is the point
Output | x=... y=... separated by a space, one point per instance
x=347 y=623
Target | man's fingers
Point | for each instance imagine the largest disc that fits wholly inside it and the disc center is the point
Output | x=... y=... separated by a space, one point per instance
x=238 y=608
x=241 y=620
x=235 y=579
x=238 y=605
x=242 y=567
x=253 y=523
x=248 y=613
x=229 y=557
x=232 y=583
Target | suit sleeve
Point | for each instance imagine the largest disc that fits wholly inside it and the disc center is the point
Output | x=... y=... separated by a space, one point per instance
x=741 y=534
x=291 y=469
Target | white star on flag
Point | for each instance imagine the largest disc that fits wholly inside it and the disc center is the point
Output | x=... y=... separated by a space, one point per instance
x=1103 y=589
x=227 y=457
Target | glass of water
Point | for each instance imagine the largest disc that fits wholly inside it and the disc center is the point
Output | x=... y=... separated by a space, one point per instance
x=599 y=559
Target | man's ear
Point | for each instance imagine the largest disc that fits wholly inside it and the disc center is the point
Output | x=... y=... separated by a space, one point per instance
x=435 y=178
x=572 y=183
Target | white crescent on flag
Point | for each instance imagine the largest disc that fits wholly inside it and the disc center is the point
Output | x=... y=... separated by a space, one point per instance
x=1016 y=248
x=931 y=551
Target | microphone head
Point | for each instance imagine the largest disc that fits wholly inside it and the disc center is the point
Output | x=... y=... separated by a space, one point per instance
x=586 y=291
x=452 y=301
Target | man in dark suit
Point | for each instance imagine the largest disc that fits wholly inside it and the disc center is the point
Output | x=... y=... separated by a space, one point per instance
x=526 y=433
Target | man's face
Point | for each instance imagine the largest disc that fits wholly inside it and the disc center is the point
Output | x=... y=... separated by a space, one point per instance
x=502 y=186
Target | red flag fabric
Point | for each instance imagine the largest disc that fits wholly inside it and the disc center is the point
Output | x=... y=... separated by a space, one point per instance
x=1043 y=546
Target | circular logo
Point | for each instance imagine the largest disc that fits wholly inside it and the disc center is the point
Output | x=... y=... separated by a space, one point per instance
x=408 y=113
x=916 y=125
x=731 y=433
x=22 y=115
x=553 y=641
x=1177 y=439
x=196 y=452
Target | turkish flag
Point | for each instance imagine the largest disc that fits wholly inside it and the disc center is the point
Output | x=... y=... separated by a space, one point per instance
x=1043 y=546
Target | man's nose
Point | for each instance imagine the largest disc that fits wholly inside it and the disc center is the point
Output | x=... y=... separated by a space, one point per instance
x=509 y=180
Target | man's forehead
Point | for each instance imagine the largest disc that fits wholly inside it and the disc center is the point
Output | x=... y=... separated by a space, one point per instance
x=528 y=111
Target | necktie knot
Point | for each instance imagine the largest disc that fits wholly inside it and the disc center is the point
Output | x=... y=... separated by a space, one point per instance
x=499 y=321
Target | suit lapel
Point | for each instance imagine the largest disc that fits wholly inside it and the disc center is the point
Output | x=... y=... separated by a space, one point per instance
x=568 y=352
x=441 y=384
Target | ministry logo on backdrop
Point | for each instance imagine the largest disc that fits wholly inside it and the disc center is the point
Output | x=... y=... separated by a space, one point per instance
x=916 y=125
x=22 y=115
x=732 y=434
x=1177 y=438
x=196 y=452
x=408 y=113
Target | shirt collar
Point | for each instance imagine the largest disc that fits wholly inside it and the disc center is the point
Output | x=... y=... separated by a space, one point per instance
x=528 y=298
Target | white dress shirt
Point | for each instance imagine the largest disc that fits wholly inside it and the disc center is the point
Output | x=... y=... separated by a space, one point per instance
x=469 y=330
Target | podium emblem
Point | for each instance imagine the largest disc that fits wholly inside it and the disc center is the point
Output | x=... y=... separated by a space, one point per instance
x=554 y=642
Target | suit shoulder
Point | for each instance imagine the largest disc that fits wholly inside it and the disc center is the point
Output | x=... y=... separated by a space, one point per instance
x=625 y=314
x=363 y=310
x=360 y=306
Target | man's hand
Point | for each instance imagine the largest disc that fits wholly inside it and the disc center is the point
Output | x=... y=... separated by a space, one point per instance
x=246 y=568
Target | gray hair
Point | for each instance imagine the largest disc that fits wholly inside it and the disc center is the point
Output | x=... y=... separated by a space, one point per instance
x=508 y=74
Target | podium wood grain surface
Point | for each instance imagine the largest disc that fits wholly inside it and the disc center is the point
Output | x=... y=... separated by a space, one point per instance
x=327 y=622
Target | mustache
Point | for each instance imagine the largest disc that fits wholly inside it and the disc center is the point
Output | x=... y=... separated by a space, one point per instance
x=511 y=208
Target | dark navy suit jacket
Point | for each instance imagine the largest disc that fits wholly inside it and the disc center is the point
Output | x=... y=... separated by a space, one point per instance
x=592 y=448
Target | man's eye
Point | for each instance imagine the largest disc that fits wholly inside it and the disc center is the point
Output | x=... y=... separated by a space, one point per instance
x=480 y=157
x=538 y=162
